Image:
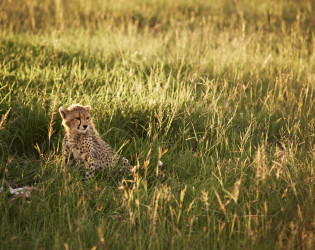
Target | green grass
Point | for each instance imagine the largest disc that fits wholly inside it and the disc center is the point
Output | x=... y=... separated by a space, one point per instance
x=227 y=87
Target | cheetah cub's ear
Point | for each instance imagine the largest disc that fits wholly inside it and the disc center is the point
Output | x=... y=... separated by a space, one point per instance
x=63 y=112
x=88 y=107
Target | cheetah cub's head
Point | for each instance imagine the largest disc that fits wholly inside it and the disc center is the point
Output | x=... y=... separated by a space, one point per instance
x=76 y=118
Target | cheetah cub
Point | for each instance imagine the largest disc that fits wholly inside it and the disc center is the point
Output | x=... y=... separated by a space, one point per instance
x=82 y=143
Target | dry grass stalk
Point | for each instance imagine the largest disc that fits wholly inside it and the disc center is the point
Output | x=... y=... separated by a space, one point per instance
x=161 y=153
x=4 y=119
x=156 y=198
x=233 y=224
x=204 y=199
x=222 y=206
x=191 y=222
x=236 y=190
x=52 y=112
x=260 y=164
x=181 y=200
x=146 y=163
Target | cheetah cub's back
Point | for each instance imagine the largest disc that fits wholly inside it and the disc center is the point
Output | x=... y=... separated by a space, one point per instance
x=82 y=143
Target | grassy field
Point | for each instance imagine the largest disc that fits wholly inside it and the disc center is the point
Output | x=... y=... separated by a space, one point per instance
x=222 y=91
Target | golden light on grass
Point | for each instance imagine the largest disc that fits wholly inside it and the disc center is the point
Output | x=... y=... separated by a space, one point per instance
x=221 y=93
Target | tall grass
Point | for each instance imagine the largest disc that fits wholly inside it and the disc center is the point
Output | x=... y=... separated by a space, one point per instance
x=221 y=91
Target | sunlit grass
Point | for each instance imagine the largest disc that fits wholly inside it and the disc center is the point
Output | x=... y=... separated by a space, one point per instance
x=221 y=91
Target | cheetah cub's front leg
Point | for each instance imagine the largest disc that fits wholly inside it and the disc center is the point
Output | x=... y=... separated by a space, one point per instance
x=82 y=143
x=89 y=169
x=90 y=165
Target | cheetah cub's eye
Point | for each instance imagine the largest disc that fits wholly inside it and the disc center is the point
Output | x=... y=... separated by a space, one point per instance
x=87 y=118
x=78 y=118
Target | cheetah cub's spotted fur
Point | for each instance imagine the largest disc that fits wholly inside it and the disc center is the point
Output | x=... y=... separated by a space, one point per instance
x=82 y=143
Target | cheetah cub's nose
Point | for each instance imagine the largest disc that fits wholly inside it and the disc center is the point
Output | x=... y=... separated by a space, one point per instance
x=85 y=126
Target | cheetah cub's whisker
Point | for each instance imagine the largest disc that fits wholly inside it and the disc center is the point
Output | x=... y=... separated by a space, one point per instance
x=82 y=142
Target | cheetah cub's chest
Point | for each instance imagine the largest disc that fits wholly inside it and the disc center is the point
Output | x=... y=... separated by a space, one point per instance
x=80 y=147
